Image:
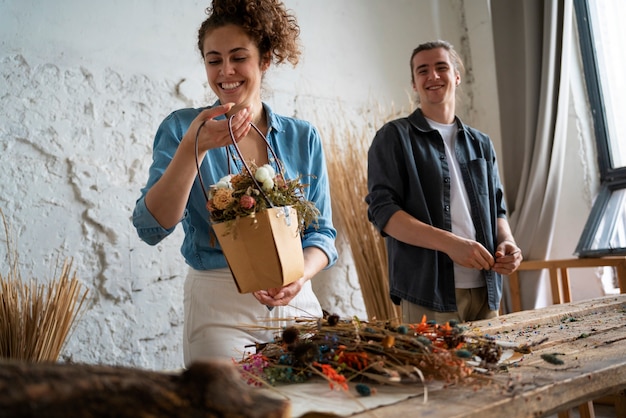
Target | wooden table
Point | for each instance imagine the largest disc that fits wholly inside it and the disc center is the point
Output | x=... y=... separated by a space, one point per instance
x=591 y=335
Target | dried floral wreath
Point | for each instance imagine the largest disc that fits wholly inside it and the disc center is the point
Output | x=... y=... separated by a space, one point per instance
x=344 y=350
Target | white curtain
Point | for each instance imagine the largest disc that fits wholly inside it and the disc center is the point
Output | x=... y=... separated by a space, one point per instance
x=533 y=42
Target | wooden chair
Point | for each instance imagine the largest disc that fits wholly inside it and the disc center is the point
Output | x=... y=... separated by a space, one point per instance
x=561 y=293
x=559 y=277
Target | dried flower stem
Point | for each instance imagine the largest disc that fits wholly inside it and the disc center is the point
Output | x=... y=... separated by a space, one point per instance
x=35 y=319
x=347 y=167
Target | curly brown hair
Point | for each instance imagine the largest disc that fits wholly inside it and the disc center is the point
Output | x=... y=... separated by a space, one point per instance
x=270 y=25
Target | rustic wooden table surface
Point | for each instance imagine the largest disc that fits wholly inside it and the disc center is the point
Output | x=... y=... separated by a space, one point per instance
x=589 y=337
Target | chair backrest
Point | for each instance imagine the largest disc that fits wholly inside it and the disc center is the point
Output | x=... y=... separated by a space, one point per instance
x=559 y=277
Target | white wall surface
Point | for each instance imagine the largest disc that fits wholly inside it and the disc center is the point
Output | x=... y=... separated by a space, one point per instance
x=83 y=88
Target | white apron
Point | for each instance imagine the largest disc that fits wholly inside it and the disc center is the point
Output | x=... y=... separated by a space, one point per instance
x=220 y=322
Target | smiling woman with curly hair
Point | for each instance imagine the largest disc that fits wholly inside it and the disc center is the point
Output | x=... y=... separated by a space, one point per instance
x=239 y=41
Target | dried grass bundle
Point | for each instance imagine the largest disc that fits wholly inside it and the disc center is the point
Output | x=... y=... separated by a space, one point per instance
x=346 y=153
x=35 y=319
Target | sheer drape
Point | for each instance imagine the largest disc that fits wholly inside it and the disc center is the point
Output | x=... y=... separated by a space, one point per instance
x=532 y=47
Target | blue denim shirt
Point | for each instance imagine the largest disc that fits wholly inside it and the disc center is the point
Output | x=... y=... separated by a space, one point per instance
x=408 y=170
x=297 y=145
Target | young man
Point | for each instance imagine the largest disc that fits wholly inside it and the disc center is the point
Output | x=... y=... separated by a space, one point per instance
x=434 y=192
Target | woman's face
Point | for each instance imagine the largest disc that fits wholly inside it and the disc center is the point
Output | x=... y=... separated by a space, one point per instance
x=233 y=66
x=435 y=77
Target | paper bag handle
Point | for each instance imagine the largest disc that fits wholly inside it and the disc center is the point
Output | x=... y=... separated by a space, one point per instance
x=232 y=137
x=245 y=164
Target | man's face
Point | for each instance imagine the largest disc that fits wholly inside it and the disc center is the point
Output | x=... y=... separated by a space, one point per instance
x=435 y=77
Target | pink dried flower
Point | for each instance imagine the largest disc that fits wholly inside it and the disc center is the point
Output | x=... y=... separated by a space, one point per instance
x=280 y=182
x=253 y=369
x=247 y=201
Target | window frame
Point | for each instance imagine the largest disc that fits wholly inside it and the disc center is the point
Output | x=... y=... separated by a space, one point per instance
x=611 y=178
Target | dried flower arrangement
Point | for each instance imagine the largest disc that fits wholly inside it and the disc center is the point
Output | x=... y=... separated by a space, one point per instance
x=36 y=319
x=352 y=350
x=248 y=192
x=255 y=189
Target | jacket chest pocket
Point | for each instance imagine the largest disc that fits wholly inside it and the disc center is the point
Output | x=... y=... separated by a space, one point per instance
x=479 y=173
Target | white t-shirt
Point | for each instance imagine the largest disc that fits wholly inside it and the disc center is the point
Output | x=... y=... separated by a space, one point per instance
x=460 y=211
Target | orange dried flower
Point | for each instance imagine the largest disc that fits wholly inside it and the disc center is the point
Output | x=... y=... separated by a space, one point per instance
x=421 y=327
x=358 y=360
x=237 y=180
x=222 y=198
x=334 y=377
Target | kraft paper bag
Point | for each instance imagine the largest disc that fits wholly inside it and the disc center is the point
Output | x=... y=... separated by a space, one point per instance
x=264 y=250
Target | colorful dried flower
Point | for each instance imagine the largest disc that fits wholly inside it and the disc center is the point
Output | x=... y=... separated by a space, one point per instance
x=247 y=201
x=265 y=172
x=222 y=198
x=334 y=377
x=280 y=182
x=363 y=389
x=223 y=183
x=237 y=180
x=253 y=370
x=356 y=360
x=268 y=185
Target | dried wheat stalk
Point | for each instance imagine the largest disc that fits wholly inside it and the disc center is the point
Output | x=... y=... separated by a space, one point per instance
x=35 y=319
x=347 y=166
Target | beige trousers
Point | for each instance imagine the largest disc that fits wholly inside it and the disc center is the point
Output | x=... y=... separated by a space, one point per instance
x=471 y=304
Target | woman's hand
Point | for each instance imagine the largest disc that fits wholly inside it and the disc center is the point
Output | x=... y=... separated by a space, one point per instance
x=314 y=261
x=280 y=296
x=214 y=133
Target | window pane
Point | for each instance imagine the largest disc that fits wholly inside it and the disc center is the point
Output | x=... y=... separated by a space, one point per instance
x=609 y=31
x=611 y=232
x=602 y=34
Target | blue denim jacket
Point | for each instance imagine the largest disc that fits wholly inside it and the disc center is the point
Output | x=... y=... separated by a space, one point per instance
x=408 y=170
x=297 y=145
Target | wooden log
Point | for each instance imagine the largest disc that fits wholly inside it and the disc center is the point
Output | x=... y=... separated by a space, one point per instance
x=206 y=389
